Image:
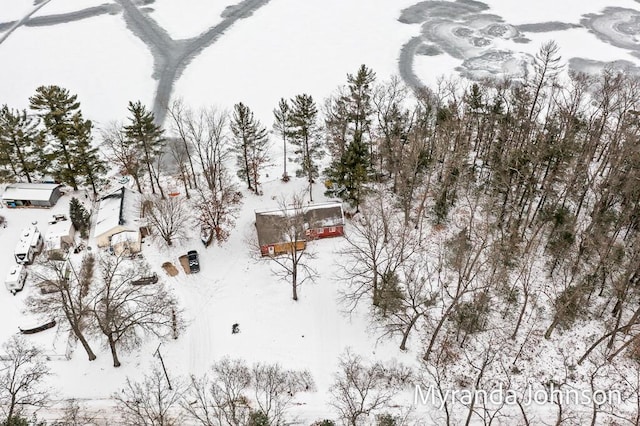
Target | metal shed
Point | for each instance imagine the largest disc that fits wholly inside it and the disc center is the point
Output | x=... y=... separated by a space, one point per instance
x=31 y=194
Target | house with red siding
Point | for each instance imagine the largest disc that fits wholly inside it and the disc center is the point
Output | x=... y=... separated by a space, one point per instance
x=313 y=221
x=325 y=220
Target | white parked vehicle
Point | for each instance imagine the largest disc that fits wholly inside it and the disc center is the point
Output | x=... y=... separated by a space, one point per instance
x=30 y=244
x=16 y=278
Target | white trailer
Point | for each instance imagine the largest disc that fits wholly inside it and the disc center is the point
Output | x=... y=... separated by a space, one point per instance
x=30 y=244
x=16 y=278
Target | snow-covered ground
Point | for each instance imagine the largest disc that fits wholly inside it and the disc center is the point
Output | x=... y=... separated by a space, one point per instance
x=286 y=47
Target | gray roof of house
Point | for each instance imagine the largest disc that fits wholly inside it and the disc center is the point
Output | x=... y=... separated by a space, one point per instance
x=271 y=225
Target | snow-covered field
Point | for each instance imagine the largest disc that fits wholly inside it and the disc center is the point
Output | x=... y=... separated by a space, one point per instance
x=284 y=48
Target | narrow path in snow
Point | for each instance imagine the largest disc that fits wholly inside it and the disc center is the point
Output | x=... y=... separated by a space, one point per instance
x=170 y=56
x=405 y=63
x=17 y=24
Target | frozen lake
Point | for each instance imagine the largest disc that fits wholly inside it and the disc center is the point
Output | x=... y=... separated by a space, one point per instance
x=257 y=51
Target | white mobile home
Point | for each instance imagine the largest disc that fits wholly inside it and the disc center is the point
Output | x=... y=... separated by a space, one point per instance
x=30 y=244
x=16 y=278
x=119 y=213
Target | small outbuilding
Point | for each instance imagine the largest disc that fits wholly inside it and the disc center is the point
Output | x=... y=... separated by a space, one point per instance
x=119 y=213
x=24 y=194
x=59 y=238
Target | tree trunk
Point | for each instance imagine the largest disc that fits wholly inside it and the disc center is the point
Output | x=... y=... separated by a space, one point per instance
x=554 y=324
x=83 y=341
x=11 y=409
x=405 y=335
x=284 y=143
x=437 y=331
x=294 y=281
x=114 y=354
x=522 y=312
x=246 y=164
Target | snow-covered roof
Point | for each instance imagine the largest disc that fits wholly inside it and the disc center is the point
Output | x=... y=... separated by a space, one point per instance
x=272 y=227
x=29 y=191
x=323 y=215
x=14 y=273
x=120 y=208
x=271 y=224
x=62 y=228
x=28 y=238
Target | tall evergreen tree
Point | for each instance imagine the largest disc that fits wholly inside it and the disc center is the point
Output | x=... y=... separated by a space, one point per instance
x=281 y=125
x=350 y=121
x=359 y=109
x=88 y=164
x=305 y=134
x=143 y=133
x=349 y=173
x=57 y=107
x=19 y=138
x=250 y=144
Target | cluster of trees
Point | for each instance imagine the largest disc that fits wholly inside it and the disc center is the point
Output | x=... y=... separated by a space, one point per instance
x=53 y=138
x=231 y=393
x=106 y=305
x=496 y=220
x=492 y=220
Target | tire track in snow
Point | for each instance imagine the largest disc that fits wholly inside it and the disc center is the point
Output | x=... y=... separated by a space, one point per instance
x=171 y=57
x=17 y=24
x=405 y=64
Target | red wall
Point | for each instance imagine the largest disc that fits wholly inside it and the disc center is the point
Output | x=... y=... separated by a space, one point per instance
x=325 y=232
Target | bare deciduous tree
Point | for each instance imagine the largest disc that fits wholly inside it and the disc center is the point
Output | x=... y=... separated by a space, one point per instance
x=126 y=156
x=75 y=415
x=124 y=312
x=220 y=399
x=168 y=217
x=151 y=402
x=377 y=244
x=65 y=296
x=180 y=155
x=361 y=390
x=292 y=265
x=408 y=300
x=276 y=387
x=23 y=368
x=219 y=208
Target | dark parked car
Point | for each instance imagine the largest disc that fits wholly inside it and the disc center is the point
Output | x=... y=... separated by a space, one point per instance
x=194 y=262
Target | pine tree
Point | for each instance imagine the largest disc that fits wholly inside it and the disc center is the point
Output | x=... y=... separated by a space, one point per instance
x=57 y=107
x=79 y=216
x=143 y=133
x=87 y=162
x=358 y=103
x=305 y=134
x=351 y=122
x=281 y=126
x=18 y=142
x=250 y=144
x=349 y=173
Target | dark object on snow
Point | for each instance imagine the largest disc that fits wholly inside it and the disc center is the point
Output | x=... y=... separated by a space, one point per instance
x=43 y=327
x=152 y=279
x=235 y=328
x=194 y=261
